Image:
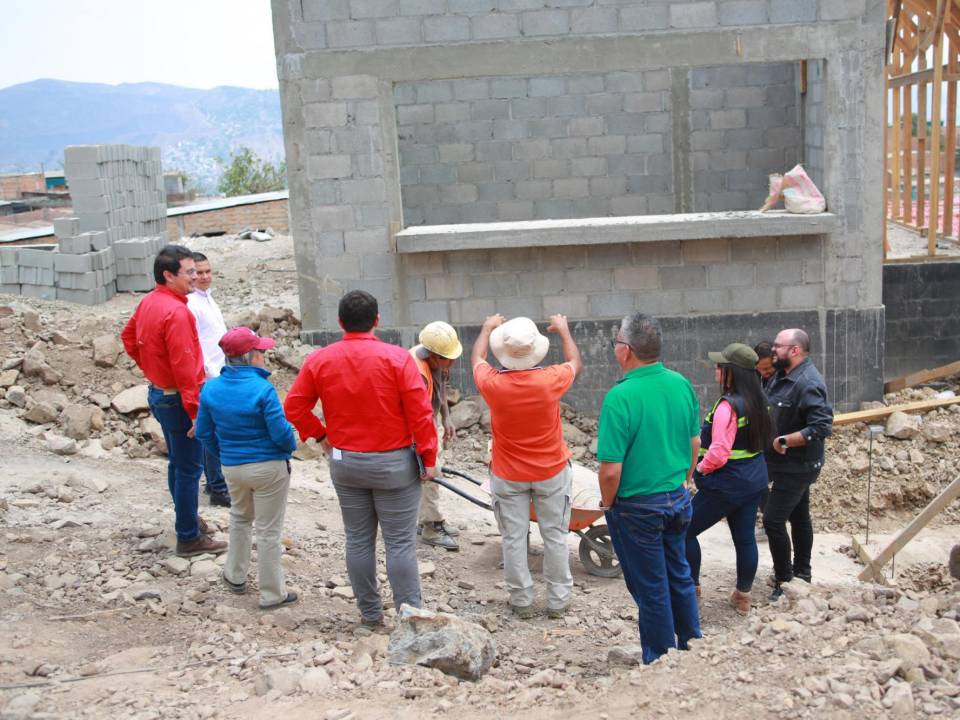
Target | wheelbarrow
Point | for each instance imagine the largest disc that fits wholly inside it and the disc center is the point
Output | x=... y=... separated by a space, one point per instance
x=595 y=550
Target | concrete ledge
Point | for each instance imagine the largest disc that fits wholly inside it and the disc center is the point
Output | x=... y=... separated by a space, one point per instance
x=603 y=231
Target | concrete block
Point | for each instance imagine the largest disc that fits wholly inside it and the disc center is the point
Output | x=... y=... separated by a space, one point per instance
x=534 y=189
x=545 y=22
x=79 y=281
x=706 y=301
x=470 y=7
x=511 y=307
x=681 y=278
x=644 y=17
x=495 y=26
x=801 y=296
x=643 y=102
x=420 y=7
x=846 y=10
x=743 y=12
x=635 y=278
x=446 y=28
x=612 y=305
x=569 y=148
x=8 y=256
x=534 y=149
x=326 y=114
x=365 y=191
x=10 y=288
x=94 y=296
x=135 y=283
x=628 y=205
x=547 y=86
x=454 y=112
x=136 y=248
x=607 y=187
x=588 y=166
x=602 y=105
x=104 y=259
x=476 y=172
x=360 y=242
x=36 y=257
x=506 y=88
x=728 y=119
x=495 y=285
x=66 y=263
x=10 y=275
x=593 y=20
x=567 y=106
x=693 y=15
x=350 y=33
x=99 y=240
x=528 y=107
x=608 y=145
x=573 y=306
x=585 y=84
x=422 y=313
x=325 y=167
x=588 y=281
x=731 y=275
x=95 y=221
x=82 y=171
x=627 y=123
x=335 y=217
x=794 y=11
x=84 y=154
x=515 y=210
x=471 y=89
x=40 y=292
x=66 y=227
x=551 y=168
x=354 y=87
x=783 y=272
x=362 y=9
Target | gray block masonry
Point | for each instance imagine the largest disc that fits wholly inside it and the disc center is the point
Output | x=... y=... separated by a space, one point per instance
x=118 y=198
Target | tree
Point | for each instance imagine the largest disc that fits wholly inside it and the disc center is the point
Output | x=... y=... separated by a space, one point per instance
x=247 y=174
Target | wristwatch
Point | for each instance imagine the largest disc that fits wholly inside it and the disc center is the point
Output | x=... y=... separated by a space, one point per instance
x=782 y=441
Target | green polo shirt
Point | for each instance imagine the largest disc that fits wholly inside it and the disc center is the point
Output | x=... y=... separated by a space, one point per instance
x=646 y=423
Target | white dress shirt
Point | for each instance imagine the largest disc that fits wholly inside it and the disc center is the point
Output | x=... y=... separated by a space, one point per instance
x=210 y=328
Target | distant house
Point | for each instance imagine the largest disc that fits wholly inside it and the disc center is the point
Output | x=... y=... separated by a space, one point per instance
x=54 y=180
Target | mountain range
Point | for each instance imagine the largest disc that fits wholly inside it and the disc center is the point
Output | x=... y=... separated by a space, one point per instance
x=192 y=127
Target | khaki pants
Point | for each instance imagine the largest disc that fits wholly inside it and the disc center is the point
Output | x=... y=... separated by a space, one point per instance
x=258 y=495
x=430 y=511
x=511 y=506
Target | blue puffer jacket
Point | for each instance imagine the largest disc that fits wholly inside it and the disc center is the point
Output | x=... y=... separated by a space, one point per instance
x=241 y=413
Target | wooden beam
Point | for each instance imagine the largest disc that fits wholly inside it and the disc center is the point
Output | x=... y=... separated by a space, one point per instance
x=865 y=558
x=936 y=506
x=950 y=152
x=907 y=145
x=922 y=76
x=921 y=376
x=881 y=413
x=937 y=112
x=921 y=218
x=895 y=133
x=921 y=258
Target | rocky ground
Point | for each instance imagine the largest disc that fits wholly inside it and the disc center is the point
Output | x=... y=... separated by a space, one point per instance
x=100 y=619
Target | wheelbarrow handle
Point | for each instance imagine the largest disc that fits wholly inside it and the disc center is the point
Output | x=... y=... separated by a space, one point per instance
x=459 y=474
x=465 y=495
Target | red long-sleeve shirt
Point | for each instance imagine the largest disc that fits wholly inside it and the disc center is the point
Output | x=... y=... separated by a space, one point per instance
x=372 y=398
x=161 y=337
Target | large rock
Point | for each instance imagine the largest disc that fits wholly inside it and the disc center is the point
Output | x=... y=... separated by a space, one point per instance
x=442 y=641
x=41 y=413
x=16 y=395
x=909 y=648
x=625 y=655
x=465 y=413
x=52 y=397
x=574 y=435
x=33 y=363
x=9 y=377
x=77 y=421
x=902 y=426
x=936 y=432
x=131 y=400
x=106 y=350
x=62 y=445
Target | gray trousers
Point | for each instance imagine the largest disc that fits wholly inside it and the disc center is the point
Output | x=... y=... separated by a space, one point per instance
x=511 y=505
x=258 y=494
x=379 y=489
x=430 y=511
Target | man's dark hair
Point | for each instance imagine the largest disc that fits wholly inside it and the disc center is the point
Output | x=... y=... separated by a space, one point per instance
x=801 y=340
x=763 y=349
x=199 y=257
x=642 y=333
x=358 y=311
x=168 y=260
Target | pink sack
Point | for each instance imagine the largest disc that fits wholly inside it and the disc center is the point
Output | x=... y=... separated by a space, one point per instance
x=799 y=193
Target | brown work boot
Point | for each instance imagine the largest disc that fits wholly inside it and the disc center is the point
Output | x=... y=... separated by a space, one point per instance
x=200 y=545
x=740 y=602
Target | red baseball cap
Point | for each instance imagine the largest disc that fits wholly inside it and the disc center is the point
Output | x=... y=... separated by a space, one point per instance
x=242 y=340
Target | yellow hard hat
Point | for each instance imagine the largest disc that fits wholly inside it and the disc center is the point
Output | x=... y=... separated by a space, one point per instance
x=441 y=339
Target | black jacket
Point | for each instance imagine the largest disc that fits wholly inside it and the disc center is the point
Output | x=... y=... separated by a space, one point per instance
x=798 y=401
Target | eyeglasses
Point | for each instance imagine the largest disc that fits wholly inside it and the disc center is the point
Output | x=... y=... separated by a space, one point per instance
x=615 y=341
x=776 y=346
x=191 y=272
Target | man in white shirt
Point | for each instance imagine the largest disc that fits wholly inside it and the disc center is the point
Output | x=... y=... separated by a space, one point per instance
x=210 y=328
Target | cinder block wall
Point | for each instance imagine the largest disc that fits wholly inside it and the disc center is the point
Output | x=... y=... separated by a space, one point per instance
x=390 y=105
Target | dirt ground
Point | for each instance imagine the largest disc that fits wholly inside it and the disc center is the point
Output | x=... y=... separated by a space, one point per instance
x=97 y=618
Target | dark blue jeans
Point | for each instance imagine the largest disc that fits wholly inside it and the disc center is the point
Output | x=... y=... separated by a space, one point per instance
x=216 y=483
x=710 y=506
x=184 y=461
x=648 y=533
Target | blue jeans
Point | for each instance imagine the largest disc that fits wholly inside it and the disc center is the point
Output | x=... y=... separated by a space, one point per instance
x=185 y=461
x=710 y=506
x=648 y=534
x=216 y=484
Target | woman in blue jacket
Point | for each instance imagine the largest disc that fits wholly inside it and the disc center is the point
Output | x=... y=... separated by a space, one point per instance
x=241 y=414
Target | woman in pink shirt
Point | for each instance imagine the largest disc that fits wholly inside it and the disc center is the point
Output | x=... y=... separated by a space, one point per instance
x=732 y=474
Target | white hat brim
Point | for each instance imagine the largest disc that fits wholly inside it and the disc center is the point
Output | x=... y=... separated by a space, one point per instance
x=540 y=347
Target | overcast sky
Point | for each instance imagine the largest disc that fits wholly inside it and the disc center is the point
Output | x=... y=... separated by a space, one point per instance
x=196 y=43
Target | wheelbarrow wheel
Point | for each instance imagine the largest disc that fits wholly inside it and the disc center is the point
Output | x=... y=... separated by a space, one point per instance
x=596 y=552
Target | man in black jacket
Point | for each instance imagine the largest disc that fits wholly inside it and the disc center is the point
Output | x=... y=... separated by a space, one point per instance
x=803 y=420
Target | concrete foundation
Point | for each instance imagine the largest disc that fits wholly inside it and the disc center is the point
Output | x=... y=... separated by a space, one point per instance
x=423 y=139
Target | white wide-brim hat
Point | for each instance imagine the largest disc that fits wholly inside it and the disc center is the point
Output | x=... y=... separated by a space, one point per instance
x=518 y=345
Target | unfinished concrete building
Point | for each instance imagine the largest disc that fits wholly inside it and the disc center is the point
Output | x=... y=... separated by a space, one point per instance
x=458 y=158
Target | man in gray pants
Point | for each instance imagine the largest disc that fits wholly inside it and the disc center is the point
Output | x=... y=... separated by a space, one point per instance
x=378 y=420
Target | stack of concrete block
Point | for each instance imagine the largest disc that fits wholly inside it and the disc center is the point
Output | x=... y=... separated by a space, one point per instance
x=36 y=274
x=86 y=272
x=135 y=262
x=9 y=271
x=117 y=189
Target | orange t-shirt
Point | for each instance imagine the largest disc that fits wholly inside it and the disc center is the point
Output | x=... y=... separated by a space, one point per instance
x=524 y=405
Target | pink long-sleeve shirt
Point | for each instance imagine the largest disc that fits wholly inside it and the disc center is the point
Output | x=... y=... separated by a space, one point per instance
x=721 y=440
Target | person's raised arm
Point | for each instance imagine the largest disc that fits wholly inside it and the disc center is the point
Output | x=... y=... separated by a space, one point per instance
x=482 y=344
x=571 y=354
x=609 y=477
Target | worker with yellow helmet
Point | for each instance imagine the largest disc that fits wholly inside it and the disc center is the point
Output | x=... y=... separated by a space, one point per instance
x=438 y=349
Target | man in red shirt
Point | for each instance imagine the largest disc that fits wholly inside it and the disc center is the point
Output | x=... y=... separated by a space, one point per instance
x=161 y=337
x=531 y=461
x=375 y=411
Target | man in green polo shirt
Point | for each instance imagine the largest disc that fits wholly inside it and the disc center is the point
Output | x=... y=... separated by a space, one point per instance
x=648 y=446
